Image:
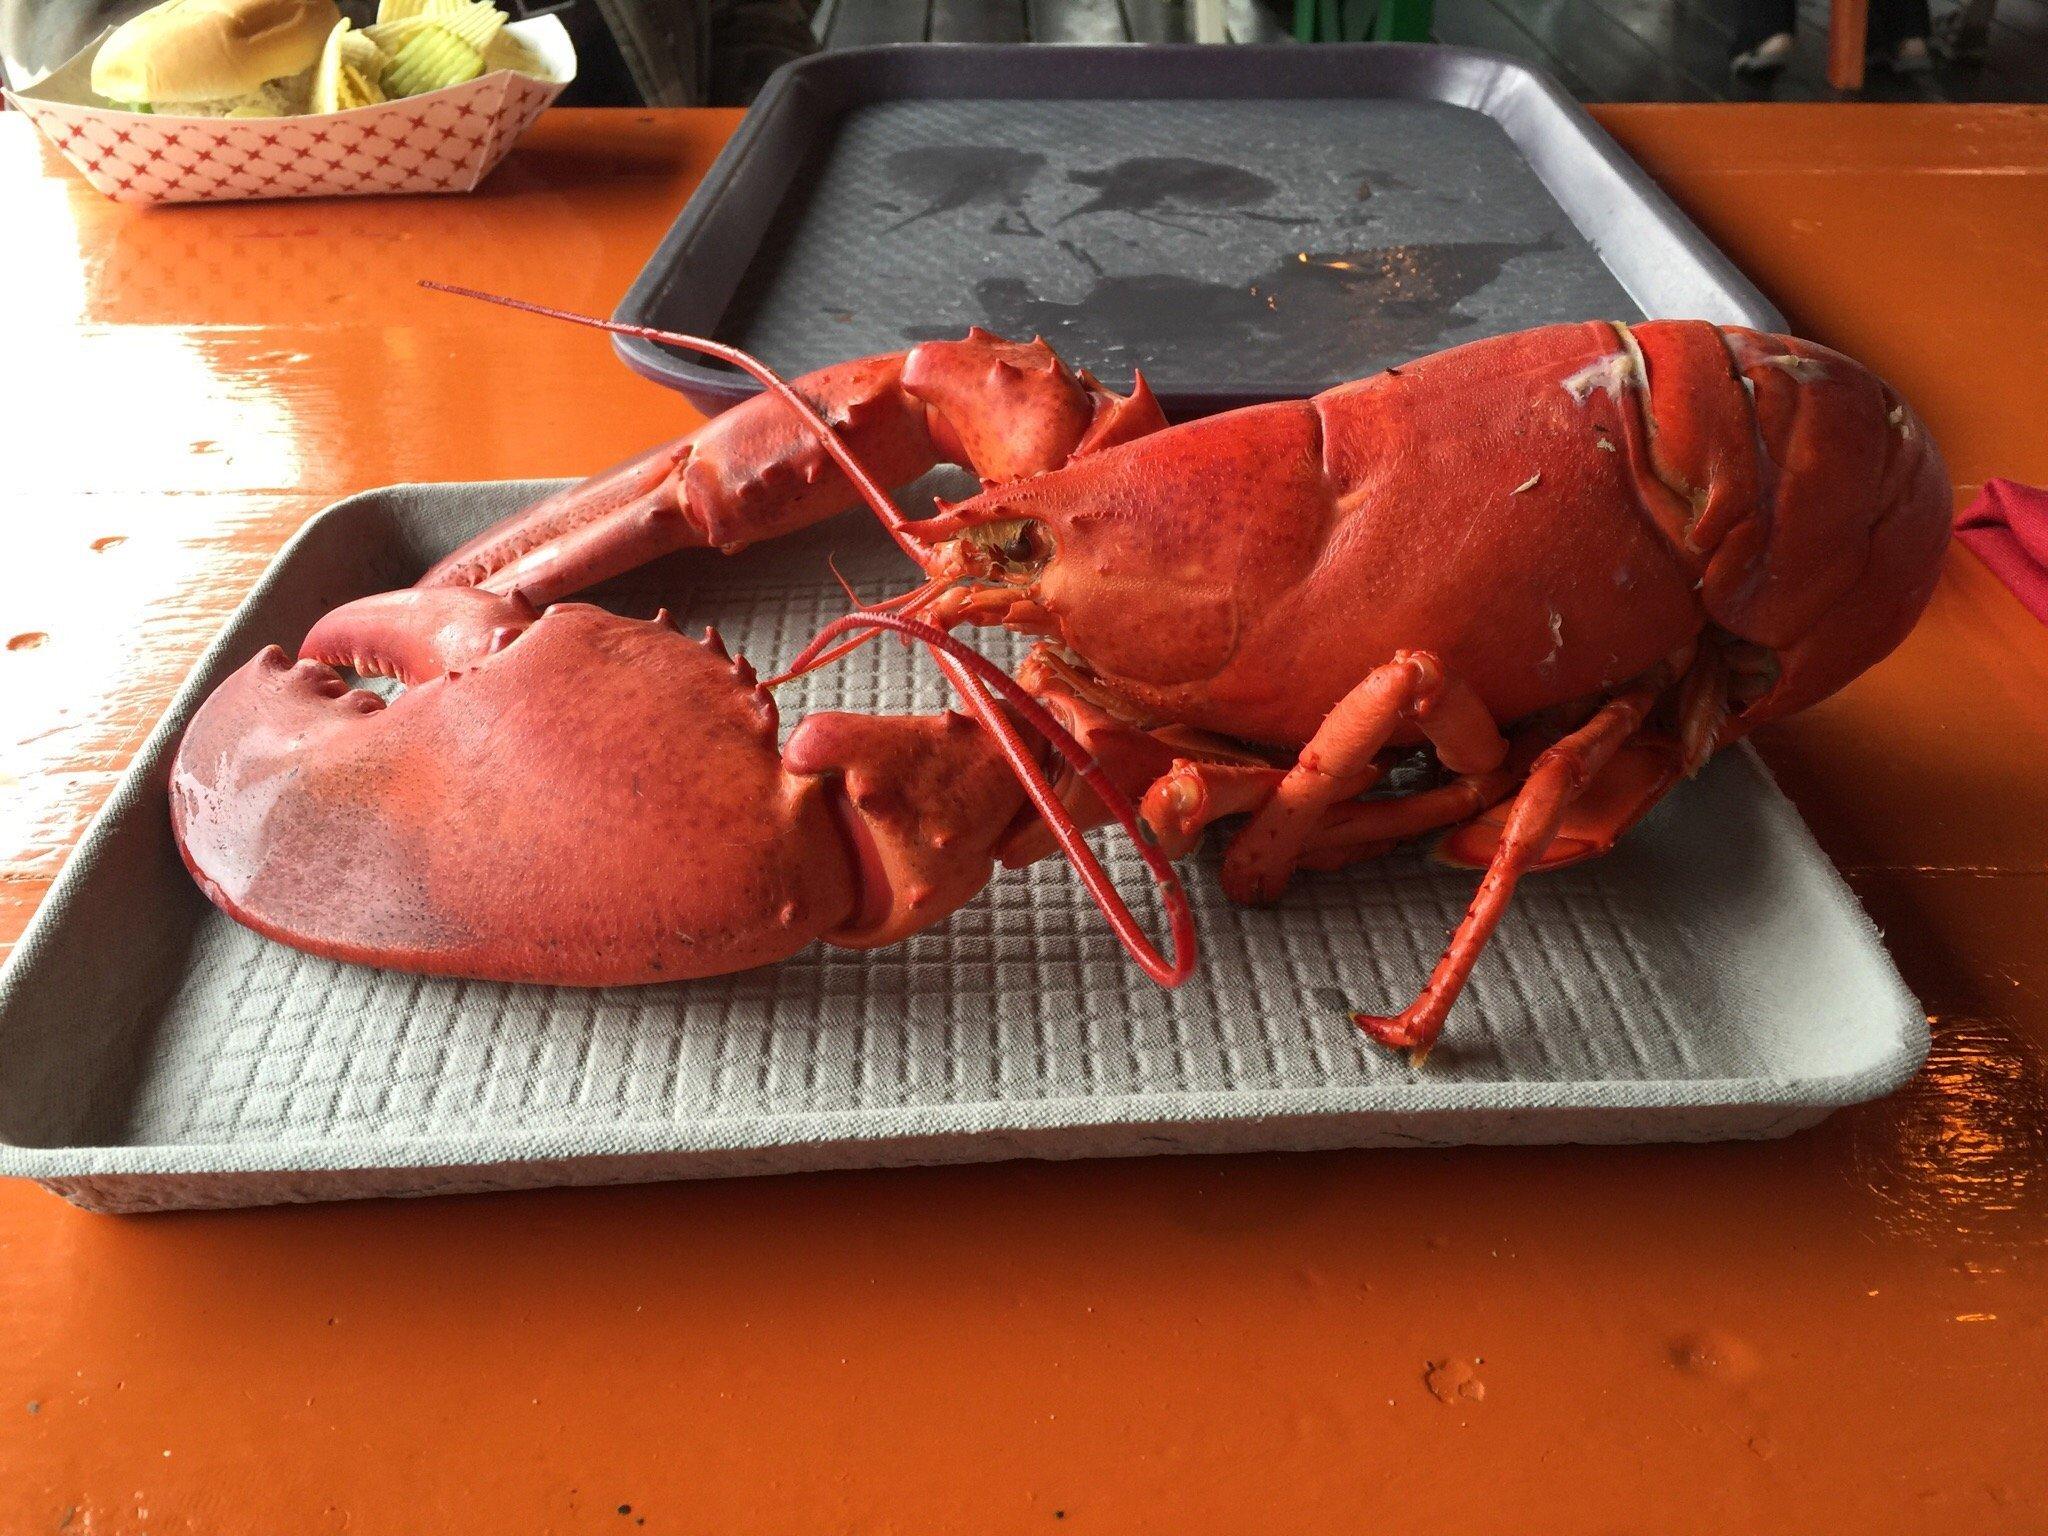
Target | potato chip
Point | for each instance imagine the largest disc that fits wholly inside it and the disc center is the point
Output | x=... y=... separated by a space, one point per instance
x=476 y=25
x=347 y=74
x=508 y=50
x=362 y=55
x=429 y=60
x=392 y=35
x=399 y=10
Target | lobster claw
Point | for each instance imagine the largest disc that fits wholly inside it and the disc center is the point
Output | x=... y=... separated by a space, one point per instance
x=598 y=801
x=417 y=633
x=577 y=798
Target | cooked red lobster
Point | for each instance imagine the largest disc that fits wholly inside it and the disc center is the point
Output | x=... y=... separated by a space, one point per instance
x=1555 y=570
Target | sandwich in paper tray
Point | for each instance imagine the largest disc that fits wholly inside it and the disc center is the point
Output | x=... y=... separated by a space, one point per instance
x=225 y=100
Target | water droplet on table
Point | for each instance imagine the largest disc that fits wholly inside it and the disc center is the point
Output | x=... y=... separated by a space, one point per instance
x=1454 y=1381
x=1713 y=1353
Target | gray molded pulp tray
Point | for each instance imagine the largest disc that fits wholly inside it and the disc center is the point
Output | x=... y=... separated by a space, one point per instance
x=1244 y=223
x=1713 y=978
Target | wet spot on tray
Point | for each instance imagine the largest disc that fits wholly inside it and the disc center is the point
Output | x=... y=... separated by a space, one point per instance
x=952 y=176
x=1081 y=256
x=1370 y=182
x=1175 y=190
x=1391 y=299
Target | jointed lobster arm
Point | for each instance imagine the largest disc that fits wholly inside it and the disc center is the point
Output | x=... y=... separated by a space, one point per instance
x=1005 y=410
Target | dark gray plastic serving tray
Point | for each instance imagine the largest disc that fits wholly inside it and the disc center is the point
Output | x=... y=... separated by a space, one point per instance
x=1711 y=978
x=1244 y=224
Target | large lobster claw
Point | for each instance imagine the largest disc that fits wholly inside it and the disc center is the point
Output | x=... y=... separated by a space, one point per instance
x=575 y=798
x=469 y=827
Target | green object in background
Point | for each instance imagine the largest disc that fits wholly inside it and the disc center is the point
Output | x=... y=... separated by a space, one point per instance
x=1356 y=21
x=1403 y=21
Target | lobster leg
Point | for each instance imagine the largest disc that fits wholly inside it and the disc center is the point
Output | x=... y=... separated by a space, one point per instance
x=1184 y=800
x=1559 y=777
x=1337 y=764
x=1642 y=773
x=1133 y=757
x=1365 y=829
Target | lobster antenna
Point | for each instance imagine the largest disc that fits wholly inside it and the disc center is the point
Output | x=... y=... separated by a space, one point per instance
x=909 y=604
x=834 y=445
x=902 y=602
x=972 y=674
x=853 y=597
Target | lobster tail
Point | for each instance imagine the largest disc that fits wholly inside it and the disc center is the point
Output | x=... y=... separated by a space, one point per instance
x=1906 y=531
x=1853 y=514
x=1810 y=496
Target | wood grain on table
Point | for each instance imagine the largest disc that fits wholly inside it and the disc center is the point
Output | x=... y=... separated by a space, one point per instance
x=1847 y=1330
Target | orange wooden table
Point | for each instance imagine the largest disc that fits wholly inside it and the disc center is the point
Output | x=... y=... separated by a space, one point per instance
x=1843 y=1331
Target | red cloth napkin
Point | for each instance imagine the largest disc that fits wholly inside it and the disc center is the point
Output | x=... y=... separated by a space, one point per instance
x=2007 y=527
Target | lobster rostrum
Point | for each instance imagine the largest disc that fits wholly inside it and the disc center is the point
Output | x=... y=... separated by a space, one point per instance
x=1549 y=573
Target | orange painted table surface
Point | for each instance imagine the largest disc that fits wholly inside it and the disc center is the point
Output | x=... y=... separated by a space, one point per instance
x=1847 y=1330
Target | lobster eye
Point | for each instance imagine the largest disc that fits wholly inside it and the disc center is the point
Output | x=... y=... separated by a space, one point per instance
x=1010 y=550
x=1028 y=547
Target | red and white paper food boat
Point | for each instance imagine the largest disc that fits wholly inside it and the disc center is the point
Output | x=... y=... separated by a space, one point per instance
x=442 y=141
